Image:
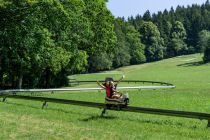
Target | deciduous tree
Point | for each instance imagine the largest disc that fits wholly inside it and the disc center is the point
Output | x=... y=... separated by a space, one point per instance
x=153 y=42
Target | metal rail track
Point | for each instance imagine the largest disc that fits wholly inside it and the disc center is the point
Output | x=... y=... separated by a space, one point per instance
x=124 y=81
x=13 y=91
x=162 y=85
x=185 y=114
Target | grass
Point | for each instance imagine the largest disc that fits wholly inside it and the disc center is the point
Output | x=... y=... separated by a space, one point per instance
x=20 y=119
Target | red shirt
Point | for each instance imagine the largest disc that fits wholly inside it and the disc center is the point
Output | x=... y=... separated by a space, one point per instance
x=108 y=91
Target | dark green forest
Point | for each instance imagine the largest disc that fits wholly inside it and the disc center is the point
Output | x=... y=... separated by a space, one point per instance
x=44 y=41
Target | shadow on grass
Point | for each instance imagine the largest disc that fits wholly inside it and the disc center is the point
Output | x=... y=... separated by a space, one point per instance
x=22 y=105
x=142 y=121
x=52 y=109
x=166 y=122
x=97 y=117
x=161 y=122
x=190 y=64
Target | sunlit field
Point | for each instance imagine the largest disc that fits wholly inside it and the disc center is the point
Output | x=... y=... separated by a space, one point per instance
x=22 y=119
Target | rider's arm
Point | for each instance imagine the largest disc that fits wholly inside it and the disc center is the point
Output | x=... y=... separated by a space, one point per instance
x=120 y=80
x=101 y=85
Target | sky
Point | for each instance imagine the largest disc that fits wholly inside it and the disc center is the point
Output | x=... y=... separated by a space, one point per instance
x=126 y=8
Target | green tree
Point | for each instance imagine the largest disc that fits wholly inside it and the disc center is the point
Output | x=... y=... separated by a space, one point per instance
x=154 y=44
x=195 y=18
x=122 y=51
x=135 y=45
x=177 y=45
x=147 y=16
x=204 y=36
x=41 y=38
x=164 y=26
x=102 y=26
x=103 y=40
x=27 y=39
x=129 y=49
x=206 y=57
x=100 y=61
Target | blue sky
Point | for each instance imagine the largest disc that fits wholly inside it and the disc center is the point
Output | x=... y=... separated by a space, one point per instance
x=133 y=7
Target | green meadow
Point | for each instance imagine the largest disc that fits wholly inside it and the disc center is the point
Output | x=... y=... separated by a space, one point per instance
x=24 y=120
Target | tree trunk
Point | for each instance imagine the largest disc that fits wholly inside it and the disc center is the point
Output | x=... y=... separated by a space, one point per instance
x=47 y=78
x=13 y=81
x=1 y=78
x=20 y=80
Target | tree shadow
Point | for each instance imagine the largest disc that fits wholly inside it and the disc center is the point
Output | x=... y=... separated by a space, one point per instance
x=190 y=64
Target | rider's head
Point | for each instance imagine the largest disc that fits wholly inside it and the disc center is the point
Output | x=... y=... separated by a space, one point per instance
x=111 y=83
x=107 y=83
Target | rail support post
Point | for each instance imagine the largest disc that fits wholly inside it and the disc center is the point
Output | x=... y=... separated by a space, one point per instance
x=44 y=104
x=103 y=112
x=4 y=99
x=208 y=125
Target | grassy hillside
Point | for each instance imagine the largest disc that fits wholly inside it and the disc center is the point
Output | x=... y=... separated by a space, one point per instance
x=20 y=119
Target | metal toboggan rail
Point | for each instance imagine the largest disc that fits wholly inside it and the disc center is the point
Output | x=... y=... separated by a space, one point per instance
x=186 y=114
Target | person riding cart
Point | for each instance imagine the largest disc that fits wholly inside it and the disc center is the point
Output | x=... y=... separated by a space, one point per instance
x=112 y=95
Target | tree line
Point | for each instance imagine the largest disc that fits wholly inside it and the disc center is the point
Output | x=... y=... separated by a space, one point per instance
x=152 y=37
x=44 y=41
x=179 y=31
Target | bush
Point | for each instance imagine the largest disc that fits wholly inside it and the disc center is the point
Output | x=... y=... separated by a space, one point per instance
x=206 y=57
